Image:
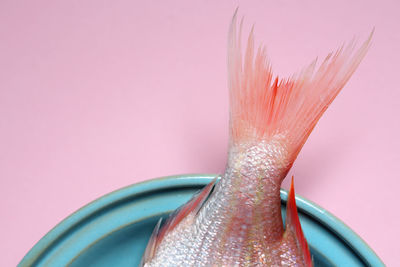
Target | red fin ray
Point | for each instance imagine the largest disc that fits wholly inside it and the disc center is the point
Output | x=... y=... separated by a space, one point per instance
x=293 y=224
x=191 y=207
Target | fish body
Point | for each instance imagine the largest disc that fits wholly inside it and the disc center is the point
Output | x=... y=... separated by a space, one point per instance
x=238 y=221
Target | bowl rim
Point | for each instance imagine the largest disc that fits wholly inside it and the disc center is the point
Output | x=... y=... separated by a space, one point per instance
x=334 y=224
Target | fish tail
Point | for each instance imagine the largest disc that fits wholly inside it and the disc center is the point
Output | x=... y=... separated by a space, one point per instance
x=263 y=106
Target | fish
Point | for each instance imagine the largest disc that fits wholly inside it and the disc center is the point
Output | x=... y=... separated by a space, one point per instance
x=237 y=220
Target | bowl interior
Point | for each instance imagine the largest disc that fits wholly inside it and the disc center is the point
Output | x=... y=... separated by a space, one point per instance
x=114 y=230
x=126 y=246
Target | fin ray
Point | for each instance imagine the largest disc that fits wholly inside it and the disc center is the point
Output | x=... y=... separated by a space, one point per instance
x=293 y=225
x=191 y=207
x=262 y=106
x=151 y=245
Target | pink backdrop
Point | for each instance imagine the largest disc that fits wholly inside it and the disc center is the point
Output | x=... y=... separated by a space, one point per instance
x=97 y=95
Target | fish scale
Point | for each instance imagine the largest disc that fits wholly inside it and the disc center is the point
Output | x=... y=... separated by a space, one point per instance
x=217 y=213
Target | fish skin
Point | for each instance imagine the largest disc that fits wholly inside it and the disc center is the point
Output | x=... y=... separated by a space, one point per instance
x=216 y=236
x=240 y=222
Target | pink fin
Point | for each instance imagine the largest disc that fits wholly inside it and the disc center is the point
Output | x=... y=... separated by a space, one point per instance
x=151 y=245
x=191 y=207
x=293 y=224
x=263 y=106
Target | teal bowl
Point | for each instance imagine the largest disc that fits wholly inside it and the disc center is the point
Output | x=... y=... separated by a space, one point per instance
x=114 y=229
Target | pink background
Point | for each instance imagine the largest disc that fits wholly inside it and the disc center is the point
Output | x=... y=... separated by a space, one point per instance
x=96 y=95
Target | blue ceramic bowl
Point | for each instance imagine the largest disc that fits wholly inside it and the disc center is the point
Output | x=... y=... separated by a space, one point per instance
x=114 y=229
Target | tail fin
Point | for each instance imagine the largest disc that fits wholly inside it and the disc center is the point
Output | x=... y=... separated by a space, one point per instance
x=263 y=107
